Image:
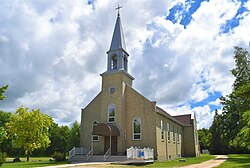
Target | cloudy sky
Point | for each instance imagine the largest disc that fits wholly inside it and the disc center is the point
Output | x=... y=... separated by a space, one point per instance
x=181 y=52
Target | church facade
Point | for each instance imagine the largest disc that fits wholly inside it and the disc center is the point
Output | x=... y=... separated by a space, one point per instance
x=119 y=117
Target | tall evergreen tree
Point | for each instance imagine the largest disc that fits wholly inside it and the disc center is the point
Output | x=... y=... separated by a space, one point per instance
x=218 y=145
x=237 y=104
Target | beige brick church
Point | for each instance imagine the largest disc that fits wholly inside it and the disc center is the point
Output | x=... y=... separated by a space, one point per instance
x=120 y=117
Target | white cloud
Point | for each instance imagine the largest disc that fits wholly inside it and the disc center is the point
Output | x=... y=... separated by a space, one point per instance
x=52 y=53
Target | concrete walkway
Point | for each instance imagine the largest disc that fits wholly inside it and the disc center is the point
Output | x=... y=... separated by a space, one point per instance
x=210 y=163
x=207 y=164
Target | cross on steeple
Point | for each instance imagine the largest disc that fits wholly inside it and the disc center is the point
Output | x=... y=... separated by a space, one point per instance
x=118 y=8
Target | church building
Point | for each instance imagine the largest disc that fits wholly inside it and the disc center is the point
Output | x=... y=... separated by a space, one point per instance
x=120 y=117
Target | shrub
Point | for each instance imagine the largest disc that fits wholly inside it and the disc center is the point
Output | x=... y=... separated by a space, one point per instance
x=2 y=158
x=58 y=156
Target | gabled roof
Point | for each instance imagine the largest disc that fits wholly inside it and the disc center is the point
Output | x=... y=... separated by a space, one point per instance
x=118 y=41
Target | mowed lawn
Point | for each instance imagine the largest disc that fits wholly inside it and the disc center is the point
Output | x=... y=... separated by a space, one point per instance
x=236 y=160
x=34 y=162
x=177 y=163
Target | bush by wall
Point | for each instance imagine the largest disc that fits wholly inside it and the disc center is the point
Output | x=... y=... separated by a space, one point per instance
x=2 y=158
x=58 y=156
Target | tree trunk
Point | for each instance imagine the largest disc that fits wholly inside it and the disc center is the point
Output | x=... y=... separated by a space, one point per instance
x=28 y=157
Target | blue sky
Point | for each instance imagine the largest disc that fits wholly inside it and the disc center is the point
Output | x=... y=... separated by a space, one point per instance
x=181 y=52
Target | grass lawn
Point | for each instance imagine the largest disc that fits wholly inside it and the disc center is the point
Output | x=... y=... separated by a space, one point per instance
x=34 y=162
x=188 y=161
x=236 y=160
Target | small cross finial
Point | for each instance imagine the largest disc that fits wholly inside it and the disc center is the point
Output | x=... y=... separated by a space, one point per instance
x=118 y=8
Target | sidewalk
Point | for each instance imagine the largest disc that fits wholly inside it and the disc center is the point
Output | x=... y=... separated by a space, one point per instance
x=78 y=165
x=207 y=164
x=210 y=163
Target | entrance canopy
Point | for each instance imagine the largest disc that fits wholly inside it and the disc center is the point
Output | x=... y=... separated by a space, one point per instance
x=103 y=129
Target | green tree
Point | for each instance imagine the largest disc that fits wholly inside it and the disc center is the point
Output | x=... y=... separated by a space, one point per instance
x=204 y=138
x=2 y=131
x=2 y=96
x=237 y=104
x=59 y=136
x=29 y=130
x=74 y=136
x=2 y=90
x=218 y=145
x=5 y=143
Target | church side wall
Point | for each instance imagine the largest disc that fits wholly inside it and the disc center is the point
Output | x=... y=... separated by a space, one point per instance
x=90 y=114
x=139 y=106
x=168 y=147
x=189 y=141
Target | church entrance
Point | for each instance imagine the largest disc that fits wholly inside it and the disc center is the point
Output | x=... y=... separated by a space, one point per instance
x=113 y=144
x=109 y=132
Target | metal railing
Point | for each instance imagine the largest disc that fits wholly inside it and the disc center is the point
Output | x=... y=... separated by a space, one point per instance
x=107 y=154
x=78 y=151
x=72 y=153
x=89 y=155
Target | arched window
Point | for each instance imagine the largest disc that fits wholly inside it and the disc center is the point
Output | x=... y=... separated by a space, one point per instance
x=95 y=137
x=178 y=135
x=125 y=63
x=111 y=113
x=173 y=134
x=114 y=62
x=137 y=129
x=162 y=131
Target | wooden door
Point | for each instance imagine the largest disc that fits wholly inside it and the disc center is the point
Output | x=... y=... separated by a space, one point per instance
x=113 y=144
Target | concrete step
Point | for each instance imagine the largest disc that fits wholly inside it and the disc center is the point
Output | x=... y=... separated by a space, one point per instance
x=78 y=158
x=112 y=158
x=116 y=158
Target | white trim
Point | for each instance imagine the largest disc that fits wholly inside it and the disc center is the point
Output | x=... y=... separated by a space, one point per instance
x=162 y=131
x=168 y=132
x=97 y=122
x=112 y=105
x=133 y=134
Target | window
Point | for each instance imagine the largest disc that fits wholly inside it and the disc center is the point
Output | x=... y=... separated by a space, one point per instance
x=196 y=137
x=137 y=129
x=162 y=131
x=168 y=131
x=125 y=63
x=173 y=134
x=178 y=137
x=114 y=62
x=95 y=137
x=111 y=113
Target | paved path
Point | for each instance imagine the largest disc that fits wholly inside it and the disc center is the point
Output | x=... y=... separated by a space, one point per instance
x=210 y=163
x=207 y=164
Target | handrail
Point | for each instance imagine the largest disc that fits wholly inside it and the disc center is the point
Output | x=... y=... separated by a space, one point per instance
x=107 y=154
x=71 y=153
x=88 y=156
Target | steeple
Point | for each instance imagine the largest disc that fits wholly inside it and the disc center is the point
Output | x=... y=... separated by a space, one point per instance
x=118 y=40
x=117 y=55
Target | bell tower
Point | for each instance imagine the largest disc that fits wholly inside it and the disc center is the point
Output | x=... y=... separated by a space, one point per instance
x=117 y=54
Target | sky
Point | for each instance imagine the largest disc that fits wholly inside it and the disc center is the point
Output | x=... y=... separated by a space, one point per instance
x=181 y=52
